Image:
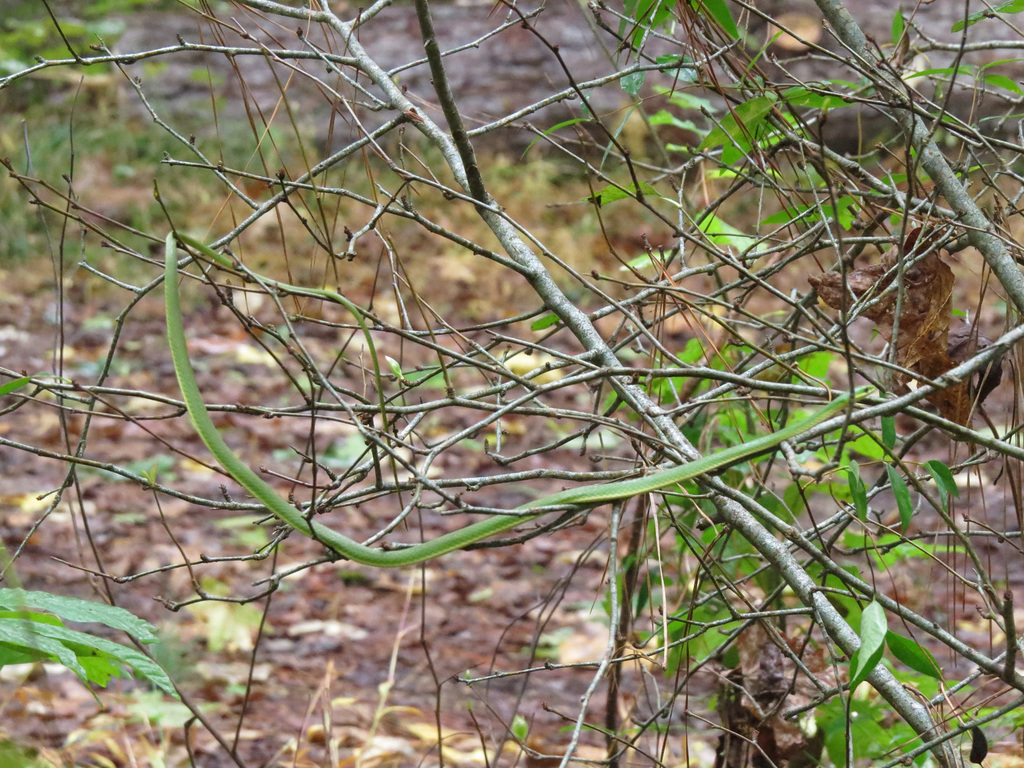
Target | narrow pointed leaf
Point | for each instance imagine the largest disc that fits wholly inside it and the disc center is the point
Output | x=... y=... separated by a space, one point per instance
x=872 y=643
x=902 y=495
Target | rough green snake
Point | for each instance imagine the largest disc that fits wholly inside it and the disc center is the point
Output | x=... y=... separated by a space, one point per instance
x=287 y=513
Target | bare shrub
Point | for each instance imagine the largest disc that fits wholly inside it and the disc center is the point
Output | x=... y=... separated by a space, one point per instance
x=667 y=253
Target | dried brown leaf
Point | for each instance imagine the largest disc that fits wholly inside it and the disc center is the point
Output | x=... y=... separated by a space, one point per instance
x=964 y=343
x=758 y=690
x=922 y=338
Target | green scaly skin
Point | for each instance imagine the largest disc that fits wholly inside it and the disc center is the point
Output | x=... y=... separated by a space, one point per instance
x=588 y=495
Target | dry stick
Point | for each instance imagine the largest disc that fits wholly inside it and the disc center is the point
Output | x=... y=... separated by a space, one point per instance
x=622 y=631
x=1010 y=630
x=447 y=99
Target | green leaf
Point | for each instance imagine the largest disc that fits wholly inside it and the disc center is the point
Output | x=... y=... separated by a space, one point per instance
x=396 y=369
x=799 y=96
x=685 y=71
x=75 y=609
x=632 y=83
x=431 y=378
x=665 y=117
x=898 y=25
x=844 y=213
x=29 y=635
x=889 y=432
x=100 y=669
x=857 y=491
x=740 y=123
x=1012 y=6
x=866 y=446
x=950 y=72
x=873 y=630
x=815 y=364
x=648 y=14
x=10 y=654
x=21 y=636
x=612 y=193
x=943 y=480
x=723 y=233
x=692 y=352
x=686 y=100
x=10 y=386
x=719 y=11
x=902 y=494
x=84 y=644
x=1002 y=81
x=545 y=322
x=520 y=728
x=914 y=655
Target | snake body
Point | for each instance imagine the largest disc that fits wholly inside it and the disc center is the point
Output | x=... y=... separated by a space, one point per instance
x=290 y=515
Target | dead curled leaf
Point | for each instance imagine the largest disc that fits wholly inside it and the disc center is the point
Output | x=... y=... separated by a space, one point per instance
x=755 y=694
x=923 y=336
x=964 y=343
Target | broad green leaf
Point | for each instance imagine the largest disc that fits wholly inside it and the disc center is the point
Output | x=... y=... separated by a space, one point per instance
x=667 y=118
x=844 y=213
x=951 y=72
x=684 y=72
x=520 y=728
x=800 y=96
x=1002 y=81
x=10 y=654
x=875 y=738
x=99 y=669
x=719 y=11
x=889 y=432
x=857 y=491
x=646 y=14
x=84 y=611
x=429 y=378
x=866 y=446
x=611 y=193
x=898 y=25
x=902 y=494
x=25 y=636
x=722 y=233
x=30 y=635
x=33 y=616
x=545 y=322
x=396 y=369
x=693 y=351
x=10 y=386
x=68 y=639
x=815 y=364
x=872 y=643
x=686 y=100
x=943 y=480
x=911 y=653
x=788 y=215
x=632 y=83
x=741 y=122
